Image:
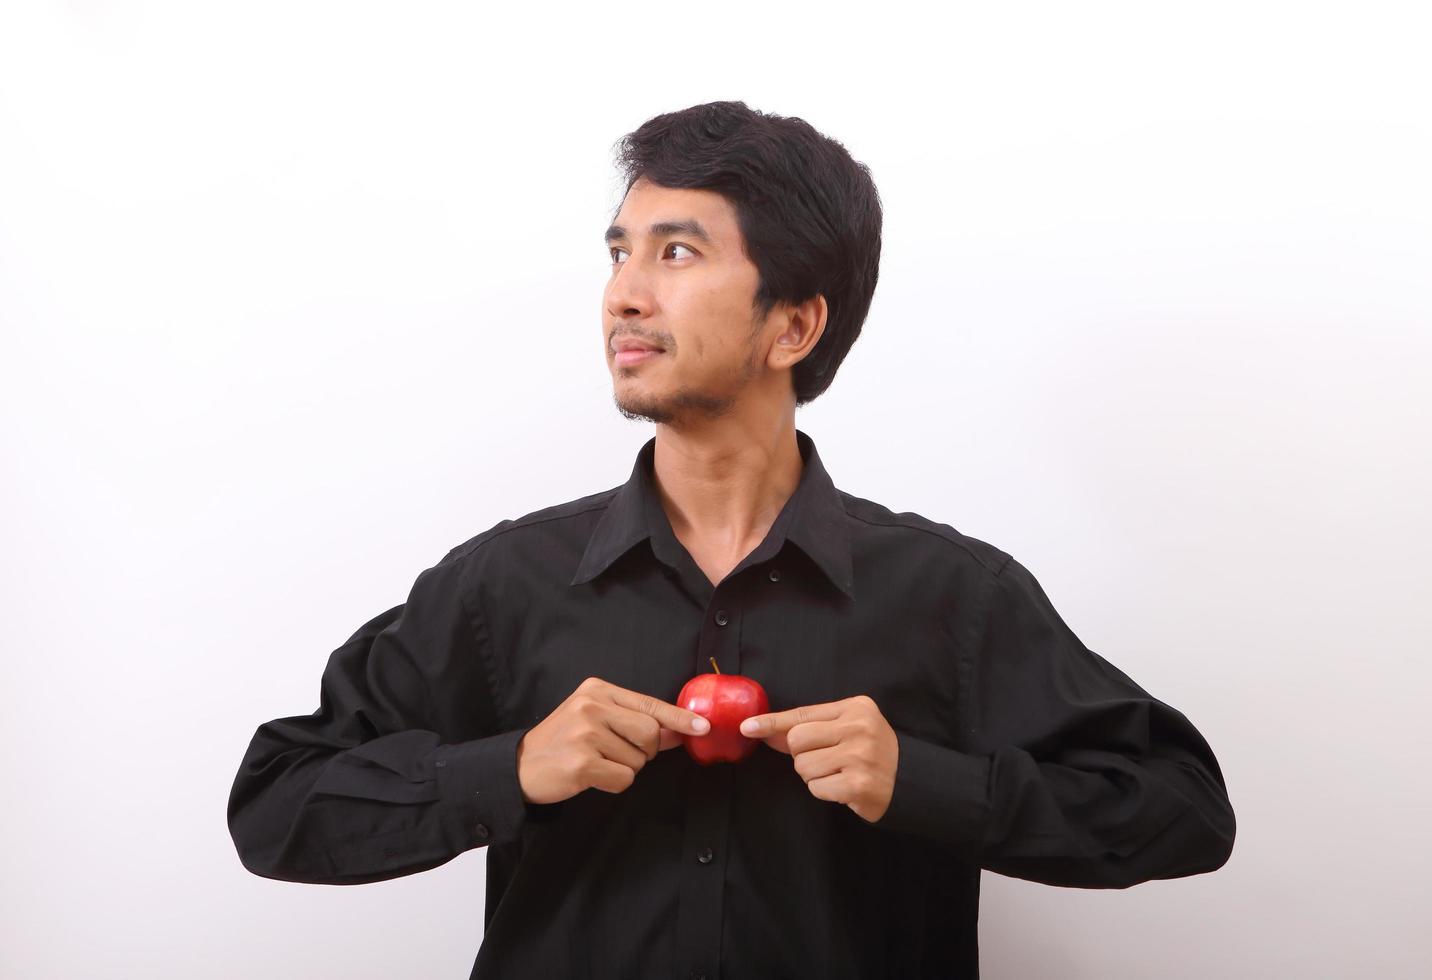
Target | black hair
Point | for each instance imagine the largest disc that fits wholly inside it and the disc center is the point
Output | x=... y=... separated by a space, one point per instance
x=809 y=214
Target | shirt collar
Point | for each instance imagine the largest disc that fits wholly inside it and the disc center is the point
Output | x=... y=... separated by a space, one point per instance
x=813 y=518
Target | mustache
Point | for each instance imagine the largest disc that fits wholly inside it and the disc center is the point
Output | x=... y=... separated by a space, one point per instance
x=654 y=339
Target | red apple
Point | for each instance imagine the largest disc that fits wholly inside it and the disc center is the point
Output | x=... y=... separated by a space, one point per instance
x=725 y=700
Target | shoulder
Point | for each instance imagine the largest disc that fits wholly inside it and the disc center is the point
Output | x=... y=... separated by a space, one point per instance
x=918 y=531
x=554 y=521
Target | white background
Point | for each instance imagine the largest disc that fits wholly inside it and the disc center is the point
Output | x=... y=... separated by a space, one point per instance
x=298 y=296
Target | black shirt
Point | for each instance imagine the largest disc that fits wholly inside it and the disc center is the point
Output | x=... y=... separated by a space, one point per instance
x=1021 y=751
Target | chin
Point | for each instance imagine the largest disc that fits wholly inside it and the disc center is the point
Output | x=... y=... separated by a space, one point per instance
x=642 y=409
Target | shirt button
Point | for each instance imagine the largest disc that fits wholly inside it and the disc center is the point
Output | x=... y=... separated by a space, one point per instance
x=721 y=619
x=775 y=575
x=440 y=763
x=697 y=976
x=704 y=856
x=482 y=832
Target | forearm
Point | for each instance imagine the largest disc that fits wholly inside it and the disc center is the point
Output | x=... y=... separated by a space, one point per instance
x=1093 y=820
x=392 y=806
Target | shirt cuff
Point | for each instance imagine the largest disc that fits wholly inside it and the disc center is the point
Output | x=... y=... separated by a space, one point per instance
x=477 y=783
x=940 y=794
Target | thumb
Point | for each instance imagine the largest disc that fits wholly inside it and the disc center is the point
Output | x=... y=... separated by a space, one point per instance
x=669 y=740
x=778 y=742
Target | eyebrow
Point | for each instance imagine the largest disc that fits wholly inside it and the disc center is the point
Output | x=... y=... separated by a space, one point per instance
x=687 y=226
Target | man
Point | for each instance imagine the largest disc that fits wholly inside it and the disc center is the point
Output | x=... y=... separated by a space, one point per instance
x=931 y=713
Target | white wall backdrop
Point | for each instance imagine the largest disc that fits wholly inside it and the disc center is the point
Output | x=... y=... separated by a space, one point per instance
x=297 y=296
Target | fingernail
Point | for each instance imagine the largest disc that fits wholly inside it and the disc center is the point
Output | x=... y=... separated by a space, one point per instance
x=700 y=724
x=748 y=727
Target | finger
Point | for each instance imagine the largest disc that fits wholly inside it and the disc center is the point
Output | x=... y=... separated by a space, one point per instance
x=670 y=740
x=821 y=762
x=617 y=748
x=809 y=736
x=835 y=788
x=640 y=730
x=778 y=742
x=611 y=777
x=760 y=726
x=670 y=716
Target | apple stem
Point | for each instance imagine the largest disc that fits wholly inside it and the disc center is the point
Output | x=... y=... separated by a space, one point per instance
x=713 y=664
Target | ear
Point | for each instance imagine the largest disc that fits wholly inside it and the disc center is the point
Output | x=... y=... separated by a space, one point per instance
x=805 y=322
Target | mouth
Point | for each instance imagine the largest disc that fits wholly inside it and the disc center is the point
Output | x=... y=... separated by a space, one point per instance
x=636 y=355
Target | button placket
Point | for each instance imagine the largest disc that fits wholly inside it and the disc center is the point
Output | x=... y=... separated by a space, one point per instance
x=702 y=887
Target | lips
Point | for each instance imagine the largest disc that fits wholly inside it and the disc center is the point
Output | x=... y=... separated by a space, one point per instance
x=626 y=344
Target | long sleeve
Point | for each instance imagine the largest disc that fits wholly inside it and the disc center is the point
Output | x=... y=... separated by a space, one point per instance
x=400 y=769
x=1066 y=772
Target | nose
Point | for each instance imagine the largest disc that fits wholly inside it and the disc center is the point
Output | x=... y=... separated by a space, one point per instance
x=627 y=294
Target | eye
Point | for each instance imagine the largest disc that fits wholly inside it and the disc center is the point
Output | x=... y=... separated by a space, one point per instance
x=615 y=249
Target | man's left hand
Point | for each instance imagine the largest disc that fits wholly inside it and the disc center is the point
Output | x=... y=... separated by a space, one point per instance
x=844 y=750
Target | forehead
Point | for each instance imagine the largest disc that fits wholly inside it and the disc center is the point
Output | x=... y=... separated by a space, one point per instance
x=647 y=204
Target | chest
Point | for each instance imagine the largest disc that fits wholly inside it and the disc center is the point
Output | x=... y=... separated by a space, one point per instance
x=780 y=623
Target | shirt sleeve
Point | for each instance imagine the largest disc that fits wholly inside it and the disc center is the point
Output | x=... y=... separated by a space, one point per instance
x=400 y=769
x=1066 y=772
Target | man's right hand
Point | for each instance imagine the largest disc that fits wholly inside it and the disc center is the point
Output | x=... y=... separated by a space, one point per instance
x=599 y=737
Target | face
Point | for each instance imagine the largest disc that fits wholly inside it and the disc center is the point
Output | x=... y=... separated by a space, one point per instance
x=682 y=286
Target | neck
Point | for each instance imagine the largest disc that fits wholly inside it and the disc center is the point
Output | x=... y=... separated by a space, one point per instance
x=723 y=488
